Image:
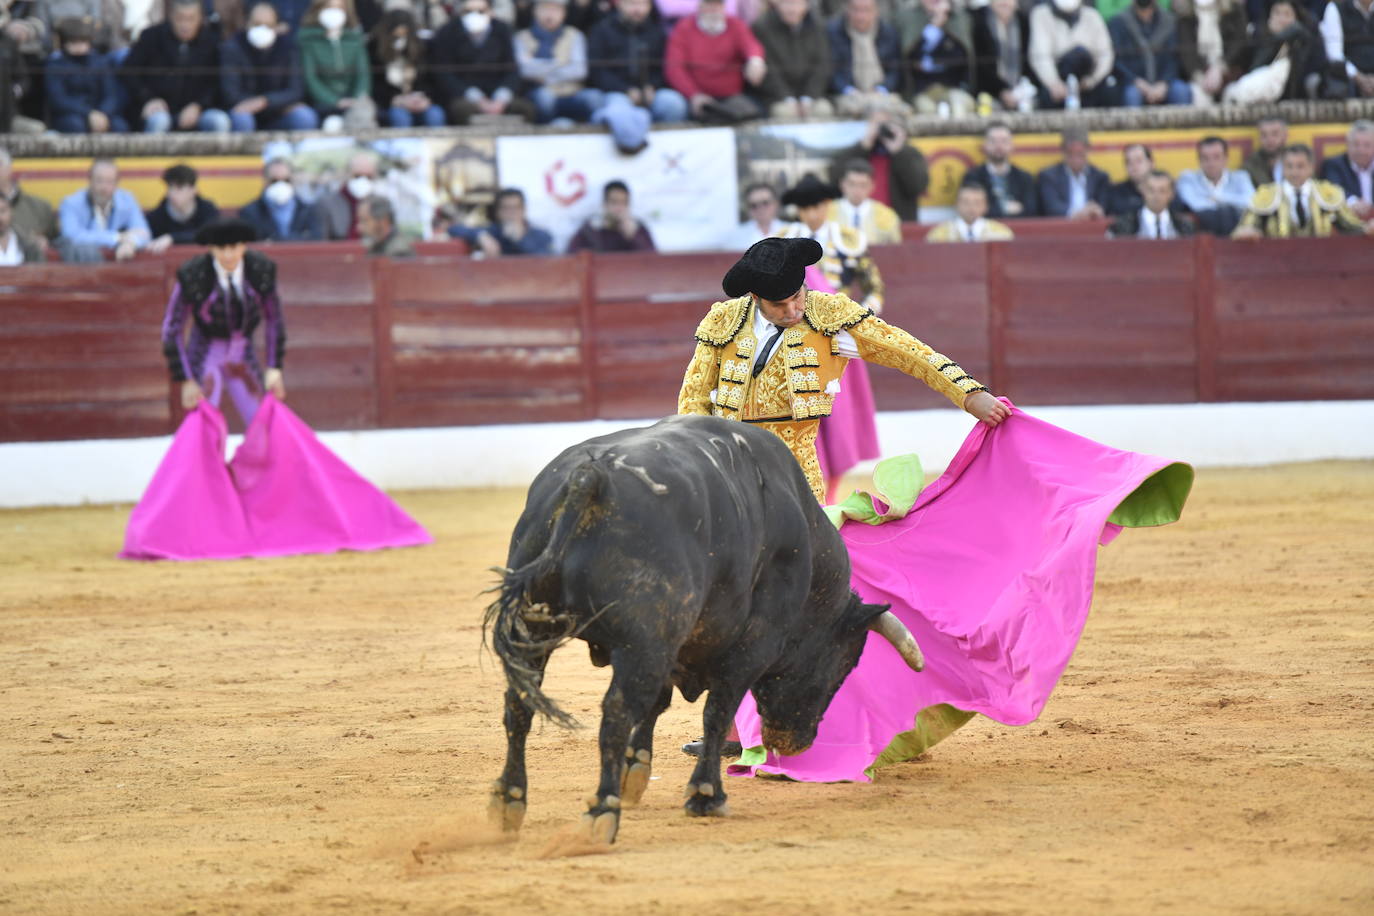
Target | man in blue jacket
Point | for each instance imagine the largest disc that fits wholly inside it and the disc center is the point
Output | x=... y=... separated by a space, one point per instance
x=103 y=217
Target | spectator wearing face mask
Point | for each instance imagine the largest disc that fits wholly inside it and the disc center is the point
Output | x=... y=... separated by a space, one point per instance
x=171 y=73
x=552 y=59
x=339 y=209
x=337 y=73
x=474 y=67
x=260 y=76
x=400 y=76
x=82 y=95
x=1071 y=54
x=279 y=214
x=182 y=212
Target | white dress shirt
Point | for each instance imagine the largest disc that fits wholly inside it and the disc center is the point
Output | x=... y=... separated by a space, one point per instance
x=1291 y=194
x=1366 y=177
x=11 y=255
x=971 y=232
x=1078 y=191
x=1156 y=226
x=853 y=216
x=223 y=278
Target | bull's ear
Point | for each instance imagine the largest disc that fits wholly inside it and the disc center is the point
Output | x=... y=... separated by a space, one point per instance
x=861 y=615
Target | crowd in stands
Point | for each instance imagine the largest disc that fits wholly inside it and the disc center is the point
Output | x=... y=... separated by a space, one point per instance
x=1276 y=179
x=96 y=66
x=1280 y=191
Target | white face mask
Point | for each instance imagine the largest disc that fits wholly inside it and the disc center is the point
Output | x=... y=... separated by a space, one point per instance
x=398 y=43
x=279 y=193
x=476 y=23
x=1067 y=6
x=333 y=19
x=360 y=186
x=262 y=37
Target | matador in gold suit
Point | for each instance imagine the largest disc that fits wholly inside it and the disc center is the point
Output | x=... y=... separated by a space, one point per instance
x=774 y=352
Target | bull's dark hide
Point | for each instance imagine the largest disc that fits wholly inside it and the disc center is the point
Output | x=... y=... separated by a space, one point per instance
x=691 y=554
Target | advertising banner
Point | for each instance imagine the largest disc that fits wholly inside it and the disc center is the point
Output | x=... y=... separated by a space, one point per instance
x=682 y=185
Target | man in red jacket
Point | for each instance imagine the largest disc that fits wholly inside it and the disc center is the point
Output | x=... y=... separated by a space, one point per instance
x=710 y=59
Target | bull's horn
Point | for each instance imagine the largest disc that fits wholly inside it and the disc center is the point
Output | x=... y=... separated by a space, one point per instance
x=894 y=631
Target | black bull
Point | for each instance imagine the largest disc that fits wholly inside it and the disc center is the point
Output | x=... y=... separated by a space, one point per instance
x=688 y=553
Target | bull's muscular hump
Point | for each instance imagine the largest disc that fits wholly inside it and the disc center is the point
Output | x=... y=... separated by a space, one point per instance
x=691 y=554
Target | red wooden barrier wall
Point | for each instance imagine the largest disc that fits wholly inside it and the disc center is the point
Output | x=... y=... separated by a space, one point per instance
x=444 y=340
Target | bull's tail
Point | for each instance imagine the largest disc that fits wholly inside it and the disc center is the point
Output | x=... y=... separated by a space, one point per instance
x=522 y=632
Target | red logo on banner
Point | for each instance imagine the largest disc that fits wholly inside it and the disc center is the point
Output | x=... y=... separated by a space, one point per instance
x=567 y=188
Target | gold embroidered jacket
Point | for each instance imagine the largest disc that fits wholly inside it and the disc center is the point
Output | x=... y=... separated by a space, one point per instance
x=1270 y=213
x=796 y=389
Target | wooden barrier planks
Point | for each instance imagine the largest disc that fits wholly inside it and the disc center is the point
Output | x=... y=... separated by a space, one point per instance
x=79 y=354
x=441 y=340
x=1098 y=321
x=645 y=308
x=940 y=294
x=1295 y=319
x=487 y=341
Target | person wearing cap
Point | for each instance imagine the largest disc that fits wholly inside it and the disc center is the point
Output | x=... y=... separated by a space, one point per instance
x=845 y=263
x=774 y=351
x=226 y=292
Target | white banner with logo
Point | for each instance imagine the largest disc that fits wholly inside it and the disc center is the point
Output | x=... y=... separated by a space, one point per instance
x=683 y=185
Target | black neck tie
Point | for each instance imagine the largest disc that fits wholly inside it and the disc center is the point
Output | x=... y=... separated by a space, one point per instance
x=1159 y=226
x=234 y=306
x=767 y=351
x=1301 y=210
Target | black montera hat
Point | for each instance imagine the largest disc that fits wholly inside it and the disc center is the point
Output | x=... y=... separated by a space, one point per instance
x=226 y=232
x=809 y=192
x=772 y=269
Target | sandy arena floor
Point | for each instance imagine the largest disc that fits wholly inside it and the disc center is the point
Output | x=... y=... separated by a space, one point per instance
x=317 y=734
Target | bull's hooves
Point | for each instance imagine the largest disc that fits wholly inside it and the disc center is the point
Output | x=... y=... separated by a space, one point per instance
x=508 y=815
x=700 y=806
x=634 y=782
x=601 y=828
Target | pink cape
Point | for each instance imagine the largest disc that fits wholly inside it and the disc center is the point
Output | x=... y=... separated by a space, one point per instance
x=283 y=493
x=849 y=435
x=992 y=570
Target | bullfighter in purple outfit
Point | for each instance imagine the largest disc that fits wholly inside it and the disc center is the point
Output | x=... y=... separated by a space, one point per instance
x=227 y=292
